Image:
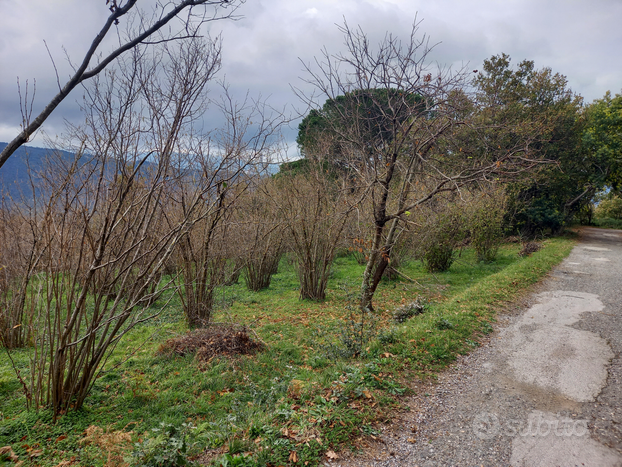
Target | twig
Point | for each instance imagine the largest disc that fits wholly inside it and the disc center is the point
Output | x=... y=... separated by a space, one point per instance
x=410 y=279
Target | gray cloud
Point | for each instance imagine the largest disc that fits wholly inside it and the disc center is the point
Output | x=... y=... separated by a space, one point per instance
x=262 y=52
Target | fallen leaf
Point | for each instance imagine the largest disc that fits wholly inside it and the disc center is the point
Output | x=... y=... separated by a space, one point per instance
x=293 y=457
x=332 y=455
x=7 y=451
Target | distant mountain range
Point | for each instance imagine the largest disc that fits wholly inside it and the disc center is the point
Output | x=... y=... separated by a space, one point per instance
x=15 y=178
x=15 y=173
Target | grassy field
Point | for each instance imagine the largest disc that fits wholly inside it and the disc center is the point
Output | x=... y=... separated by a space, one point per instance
x=308 y=395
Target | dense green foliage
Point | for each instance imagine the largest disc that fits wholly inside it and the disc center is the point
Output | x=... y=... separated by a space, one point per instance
x=539 y=103
x=360 y=119
x=603 y=137
x=610 y=207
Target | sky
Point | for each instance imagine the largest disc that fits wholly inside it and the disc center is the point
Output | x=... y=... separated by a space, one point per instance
x=265 y=48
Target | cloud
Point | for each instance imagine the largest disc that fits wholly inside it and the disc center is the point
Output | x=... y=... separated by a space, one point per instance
x=264 y=51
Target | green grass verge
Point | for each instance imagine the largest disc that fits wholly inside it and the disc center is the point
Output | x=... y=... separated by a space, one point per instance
x=290 y=404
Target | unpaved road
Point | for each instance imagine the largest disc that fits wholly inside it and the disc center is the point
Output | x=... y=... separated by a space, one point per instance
x=545 y=391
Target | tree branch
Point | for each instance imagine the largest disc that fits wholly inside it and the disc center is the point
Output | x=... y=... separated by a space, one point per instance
x=82 y=74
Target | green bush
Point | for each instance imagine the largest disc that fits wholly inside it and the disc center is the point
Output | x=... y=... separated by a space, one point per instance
x=442 y=233
x=608 y=223
x=611 y=208
x=438 y=257
x=486 y=227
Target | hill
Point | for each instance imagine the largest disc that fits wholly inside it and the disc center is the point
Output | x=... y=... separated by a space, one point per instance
x=15 y=173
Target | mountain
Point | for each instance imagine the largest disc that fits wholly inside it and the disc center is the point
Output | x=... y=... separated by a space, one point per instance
x=15 y=178
x=15 y=173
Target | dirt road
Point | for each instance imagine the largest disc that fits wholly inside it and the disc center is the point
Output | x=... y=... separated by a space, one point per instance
x=545 y=391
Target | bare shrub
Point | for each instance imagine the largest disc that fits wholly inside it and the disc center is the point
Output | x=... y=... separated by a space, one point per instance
x=210 y=184
x=261 y=236
x=19 y=257
x=316 y=206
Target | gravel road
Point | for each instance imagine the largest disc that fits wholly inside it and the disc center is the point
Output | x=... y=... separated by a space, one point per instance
x=545 y=390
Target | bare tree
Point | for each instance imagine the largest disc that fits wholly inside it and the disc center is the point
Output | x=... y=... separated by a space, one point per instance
x=101 y=232
x=214 y=172
x=396 y=118
x=316 y=204
x=169 y=21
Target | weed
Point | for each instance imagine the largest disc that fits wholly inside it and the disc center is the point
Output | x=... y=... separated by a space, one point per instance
x=168 y=448
x=369 y=430
x=388 y=336
x=232 y=460
x=409 y=310
x=443 y=324
x=357 y=329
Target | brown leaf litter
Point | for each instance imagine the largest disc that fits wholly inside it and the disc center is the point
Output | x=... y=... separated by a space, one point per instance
x=217 y=339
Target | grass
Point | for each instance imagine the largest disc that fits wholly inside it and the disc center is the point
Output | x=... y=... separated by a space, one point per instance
x=292 y=404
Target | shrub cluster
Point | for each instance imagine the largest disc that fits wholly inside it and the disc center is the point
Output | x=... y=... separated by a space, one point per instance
x=609 y=208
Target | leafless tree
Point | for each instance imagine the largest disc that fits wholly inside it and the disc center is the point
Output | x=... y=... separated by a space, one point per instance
x=213 y=173
x=316 y=204
x=102 y=224
x=396 y=117
x=169 y=21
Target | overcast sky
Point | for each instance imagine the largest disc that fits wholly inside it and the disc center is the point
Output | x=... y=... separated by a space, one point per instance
x=581 y=39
